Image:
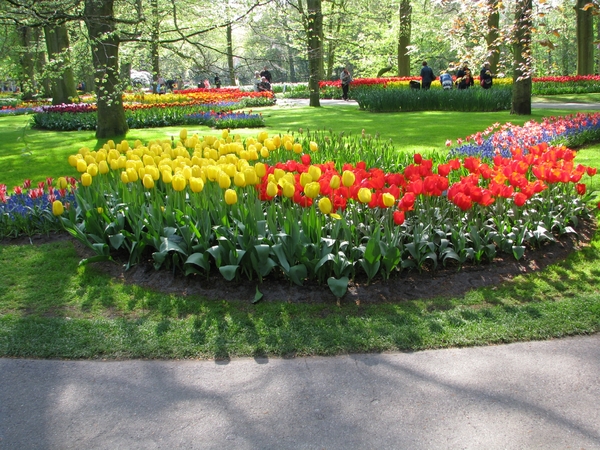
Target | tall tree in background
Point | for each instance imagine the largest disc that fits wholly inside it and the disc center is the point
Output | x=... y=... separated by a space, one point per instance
x=314 y=35
x=521 y=100
x=585 y=37
x=230 y=66
x=404 y=38
x=32 y=61
x=493 y=34
x=100 y=21
x=59 y=58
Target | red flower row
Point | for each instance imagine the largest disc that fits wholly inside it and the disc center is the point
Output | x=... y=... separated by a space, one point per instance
x=517 y=178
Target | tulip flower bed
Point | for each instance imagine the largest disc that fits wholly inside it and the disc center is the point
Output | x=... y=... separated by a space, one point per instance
x=279 y=206
x=191 y=106
x=578 y=84
x=146 y=116
x=392 y=98
x=29 y=210
x=572 y=131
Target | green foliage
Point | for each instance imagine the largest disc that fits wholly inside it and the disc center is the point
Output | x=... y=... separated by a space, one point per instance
x=390 y=99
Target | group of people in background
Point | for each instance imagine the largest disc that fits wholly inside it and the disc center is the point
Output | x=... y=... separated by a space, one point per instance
x=262 y=80
x=464 y=77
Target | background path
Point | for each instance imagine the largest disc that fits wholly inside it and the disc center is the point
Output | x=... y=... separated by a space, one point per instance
x=534 y=395
x=535 y=105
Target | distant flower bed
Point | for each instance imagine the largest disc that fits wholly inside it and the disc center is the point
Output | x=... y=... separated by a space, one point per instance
x=190 y=106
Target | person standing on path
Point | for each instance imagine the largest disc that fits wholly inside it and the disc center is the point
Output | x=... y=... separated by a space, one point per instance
x=346 y=79
x=427 y=76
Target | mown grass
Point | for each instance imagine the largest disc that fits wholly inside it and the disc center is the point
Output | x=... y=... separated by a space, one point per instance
x=52 y=308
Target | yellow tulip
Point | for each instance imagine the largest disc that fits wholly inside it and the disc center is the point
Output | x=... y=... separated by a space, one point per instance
x=230 y=197
x=315 y=172
x=224 y=180
x=348 y=178
x=272 y=189
x=239 y=179
x=262 y=136
x=167 y=176
x=269 y=144
x=364 y=195
x=288 y=145
x=178 y=182
x=313 y=146
x=250 y=176
x=264 y=152
x=305 y=178
x=277 y=141
x=57 y=208
x=261 y=169
x=279 y=173
x=148 y=181
x=132 y=175
x=124 y=177
x=81 y=166
x=86 y=179
x=225 y=133
x=312 y=189
x=325 y=205
x=334 y=183
x=183 y=134
x=297 y=147
x=388 y=199
x=288 y=189
x=92 y=169
x=103 y=167
x=73 y=160
x=196 y=184
x=62 y=183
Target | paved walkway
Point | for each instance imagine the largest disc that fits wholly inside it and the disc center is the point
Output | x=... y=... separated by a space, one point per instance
x=535 y=395
x=537 y=105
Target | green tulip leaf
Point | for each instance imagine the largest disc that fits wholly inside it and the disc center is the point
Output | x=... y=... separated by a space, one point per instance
x=339 y=287
x=229 y=272
x=257 y=296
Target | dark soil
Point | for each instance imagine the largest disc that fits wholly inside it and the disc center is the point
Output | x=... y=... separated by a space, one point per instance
x=404 y=286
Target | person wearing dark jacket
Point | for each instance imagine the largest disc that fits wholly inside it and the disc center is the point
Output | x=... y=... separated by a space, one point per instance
x=485 y=76
x=427 y=76
x=265 y=73
x=464 y=78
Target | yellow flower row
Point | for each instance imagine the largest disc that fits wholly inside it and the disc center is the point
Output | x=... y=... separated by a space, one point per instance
x=192 y=161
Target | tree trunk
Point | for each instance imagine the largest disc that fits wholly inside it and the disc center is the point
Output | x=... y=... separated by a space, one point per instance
x=155 y=35
x=404 y=38
x=521 y=100
x=493 y=24
x=314 y=31
x=290 y=57
x=27 y=60
x=332 y=46
x=100 y=22
x=230 y=56
x=58 y=46
x=585 y=38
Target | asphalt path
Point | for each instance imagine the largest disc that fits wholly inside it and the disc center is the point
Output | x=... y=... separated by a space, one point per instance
x=534 y=105
x=532 y=395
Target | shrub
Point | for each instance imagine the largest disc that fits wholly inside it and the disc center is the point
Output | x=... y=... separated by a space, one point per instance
x=389 y=99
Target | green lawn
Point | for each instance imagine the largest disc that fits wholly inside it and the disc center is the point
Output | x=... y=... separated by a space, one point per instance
x=51 y=307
